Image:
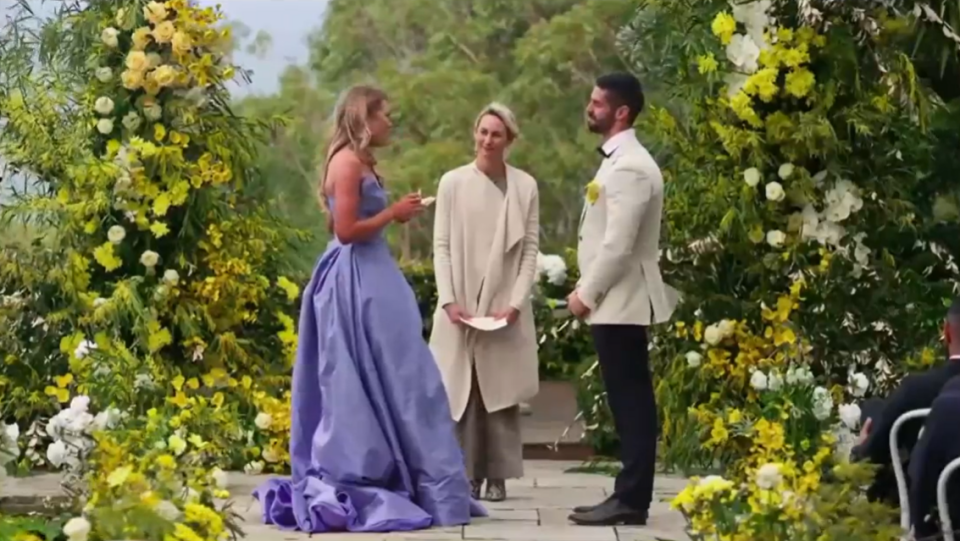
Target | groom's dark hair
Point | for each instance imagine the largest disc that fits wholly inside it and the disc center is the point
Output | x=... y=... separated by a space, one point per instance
x=624 y=89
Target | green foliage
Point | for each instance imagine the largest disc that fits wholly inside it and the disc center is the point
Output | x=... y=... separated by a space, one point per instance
x=869 y=120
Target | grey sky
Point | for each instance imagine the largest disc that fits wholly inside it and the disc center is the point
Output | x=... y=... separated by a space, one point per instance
x=287 y=21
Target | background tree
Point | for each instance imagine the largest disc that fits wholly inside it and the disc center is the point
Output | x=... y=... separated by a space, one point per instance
x=441 y=61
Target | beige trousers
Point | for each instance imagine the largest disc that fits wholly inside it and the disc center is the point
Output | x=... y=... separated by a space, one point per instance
x=491 y=442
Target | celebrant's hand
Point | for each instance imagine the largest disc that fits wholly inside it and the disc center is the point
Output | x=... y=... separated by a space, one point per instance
x=510 y=314
x=455 y=313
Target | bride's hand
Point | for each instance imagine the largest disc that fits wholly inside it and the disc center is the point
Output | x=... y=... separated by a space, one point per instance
x=407 y=208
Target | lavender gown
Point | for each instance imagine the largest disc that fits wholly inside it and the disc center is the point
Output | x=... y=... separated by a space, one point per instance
x=372 y=441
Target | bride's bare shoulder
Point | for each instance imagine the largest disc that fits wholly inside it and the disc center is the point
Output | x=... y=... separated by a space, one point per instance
x=344 y=168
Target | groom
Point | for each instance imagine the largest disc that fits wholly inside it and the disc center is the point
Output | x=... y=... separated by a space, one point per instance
x=620 y=291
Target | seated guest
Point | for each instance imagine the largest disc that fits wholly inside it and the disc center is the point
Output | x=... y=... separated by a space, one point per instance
x=938 y=446
x=916 y=391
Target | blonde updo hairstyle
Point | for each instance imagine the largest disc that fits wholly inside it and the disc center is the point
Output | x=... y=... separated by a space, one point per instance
x=351 y=129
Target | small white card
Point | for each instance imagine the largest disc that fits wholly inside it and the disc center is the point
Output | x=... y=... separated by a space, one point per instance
x=427 y=201
x=486 y=323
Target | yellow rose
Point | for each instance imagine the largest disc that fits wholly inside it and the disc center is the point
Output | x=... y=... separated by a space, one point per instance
x=164 y=32
x=181 y=43
x=141 y=38
x=137 y=61
x=151 y=85
x=132 y=80
x=593 y=191
x=164 y=75
x=155 y=12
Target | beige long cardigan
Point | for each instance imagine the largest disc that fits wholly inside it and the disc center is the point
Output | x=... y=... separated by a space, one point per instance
x=506 y=359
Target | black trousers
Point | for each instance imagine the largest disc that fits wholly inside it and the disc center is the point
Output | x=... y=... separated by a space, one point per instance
x=625 y=367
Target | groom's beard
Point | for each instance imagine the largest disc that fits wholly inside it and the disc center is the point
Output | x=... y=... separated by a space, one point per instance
x=597 y=126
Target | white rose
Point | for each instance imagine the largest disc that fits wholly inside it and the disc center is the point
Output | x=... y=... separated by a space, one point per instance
x=152 y=111
x=859 y=384
x=81 y=403
x=758 y=380
x=149 y=259
x=774 y=381
x=171 y=277
x=116 y=234
x=104 y=74
x=743 y=52
x=769 y=477
x=694 y=359
x=105 y=126
x=270 y=455
x=850 y=415
x=220 y=478
x=131 y=121
x=727 y=327
x=109 y=37
x=167 y=510
x=712 y=335
x=776 y=238
x=103 y=105
x=822 y=403
x=57 y=454
x=751 y=177
x=253 y=468
x=786 y=170
x=77 y=529
x=775 y=191
x=263 y=420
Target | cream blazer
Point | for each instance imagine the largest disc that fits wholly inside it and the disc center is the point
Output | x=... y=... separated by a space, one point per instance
x=618 y=250
x=505 y=359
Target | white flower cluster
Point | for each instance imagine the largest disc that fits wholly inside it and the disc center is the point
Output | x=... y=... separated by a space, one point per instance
x=71 y=430
x=799 y=375
x=77 y=529
x=769 y=476
x=822 y=403
x=9 y=448
x=771 y=381
x=743 y=51
x=718 y=332
x=849 y=415
x=857 y=384
x=553 y=267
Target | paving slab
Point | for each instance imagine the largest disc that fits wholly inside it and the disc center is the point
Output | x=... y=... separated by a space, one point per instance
x=536 y=509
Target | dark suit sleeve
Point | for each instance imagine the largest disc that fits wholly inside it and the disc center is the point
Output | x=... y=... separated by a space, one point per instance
x=876 y=448
x=935 y=449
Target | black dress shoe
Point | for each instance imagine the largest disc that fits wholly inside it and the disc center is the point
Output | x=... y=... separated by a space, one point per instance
x=611 y=513
x=588 y=508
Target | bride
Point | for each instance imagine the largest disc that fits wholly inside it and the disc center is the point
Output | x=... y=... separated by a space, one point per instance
x=372 y=441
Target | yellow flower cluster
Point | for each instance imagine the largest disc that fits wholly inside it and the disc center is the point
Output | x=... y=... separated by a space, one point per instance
x=168 y=480
x=777 y=491
x=783 y=68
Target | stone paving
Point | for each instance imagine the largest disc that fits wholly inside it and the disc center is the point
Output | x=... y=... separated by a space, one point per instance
x=536 y=509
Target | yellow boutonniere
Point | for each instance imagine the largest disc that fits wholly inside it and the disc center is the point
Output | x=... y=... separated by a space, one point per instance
x=593 y=191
